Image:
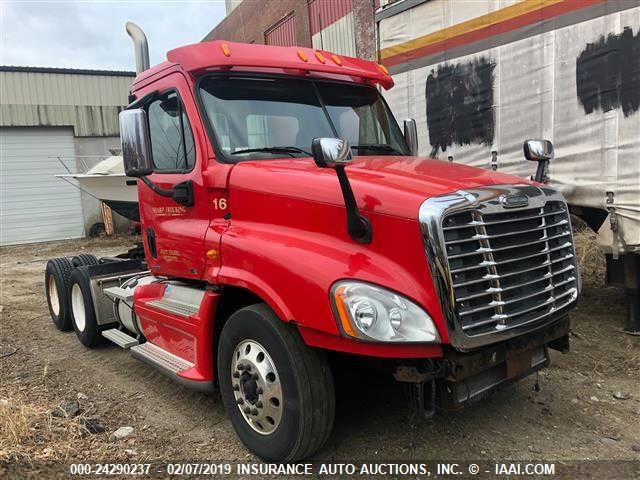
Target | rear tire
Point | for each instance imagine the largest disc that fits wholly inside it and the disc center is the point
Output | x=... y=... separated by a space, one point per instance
x=57 y=287
x=289 y=385
x=83 y=315
x=84 y=259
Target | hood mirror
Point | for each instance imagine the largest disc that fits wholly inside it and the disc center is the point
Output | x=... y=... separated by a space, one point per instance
x=330 y=152
x=336 y=153
x=540 y=151
x=136 y=152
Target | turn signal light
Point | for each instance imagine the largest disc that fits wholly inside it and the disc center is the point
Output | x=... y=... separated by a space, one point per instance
x=336 y=59
x=343 y=313
x=303 y=56
x=225 y=50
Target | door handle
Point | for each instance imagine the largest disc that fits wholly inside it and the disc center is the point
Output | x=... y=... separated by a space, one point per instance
x=151 y=242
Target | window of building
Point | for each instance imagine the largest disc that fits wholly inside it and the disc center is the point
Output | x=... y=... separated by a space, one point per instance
x=172 y=146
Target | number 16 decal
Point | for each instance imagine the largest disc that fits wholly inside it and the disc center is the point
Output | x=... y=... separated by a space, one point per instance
x=220 y=203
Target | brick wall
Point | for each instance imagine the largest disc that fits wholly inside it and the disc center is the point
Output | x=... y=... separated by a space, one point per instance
x=248 y=22
x=365 y=28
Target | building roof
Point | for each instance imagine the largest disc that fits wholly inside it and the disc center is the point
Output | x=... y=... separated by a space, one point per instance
x=68 y=71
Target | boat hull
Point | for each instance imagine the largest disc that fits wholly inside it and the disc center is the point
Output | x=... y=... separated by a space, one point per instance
x=116 y=190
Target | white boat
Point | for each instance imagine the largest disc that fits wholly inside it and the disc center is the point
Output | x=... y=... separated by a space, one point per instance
x=107 y=182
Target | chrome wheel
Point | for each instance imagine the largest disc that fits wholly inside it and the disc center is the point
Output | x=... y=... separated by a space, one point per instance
x=77 y=307
x=54 y=299
x=256 y=386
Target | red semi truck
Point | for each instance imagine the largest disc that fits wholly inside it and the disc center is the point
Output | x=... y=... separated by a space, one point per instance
x=285 y=216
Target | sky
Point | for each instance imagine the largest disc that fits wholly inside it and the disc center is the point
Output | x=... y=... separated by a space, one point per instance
x=91 y=34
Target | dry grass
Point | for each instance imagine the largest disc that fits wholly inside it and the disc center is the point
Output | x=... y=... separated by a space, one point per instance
x=28 y=431
x=591 y=258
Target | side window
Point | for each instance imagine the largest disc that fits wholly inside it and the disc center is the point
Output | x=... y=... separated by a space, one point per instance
x=172 y=146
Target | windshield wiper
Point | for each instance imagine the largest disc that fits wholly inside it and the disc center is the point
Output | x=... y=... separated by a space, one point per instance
x=288 y=150
x=378 y=147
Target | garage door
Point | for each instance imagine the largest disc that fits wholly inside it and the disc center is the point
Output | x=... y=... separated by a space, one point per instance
x=35 y=206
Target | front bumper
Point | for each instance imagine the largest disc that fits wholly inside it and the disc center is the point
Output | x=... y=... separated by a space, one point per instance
x=459 y=378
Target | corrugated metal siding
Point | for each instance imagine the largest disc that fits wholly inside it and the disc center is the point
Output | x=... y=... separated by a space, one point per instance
x=88 y=103
x=36 y=206
x=338 y=37
x=282 y=33
x=323 y=13
x=86 y=120
x=26 y=88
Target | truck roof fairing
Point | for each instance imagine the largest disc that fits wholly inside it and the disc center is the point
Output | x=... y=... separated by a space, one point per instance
x=228 y=55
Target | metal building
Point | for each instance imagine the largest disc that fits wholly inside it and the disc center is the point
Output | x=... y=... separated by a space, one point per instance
x=47 y=113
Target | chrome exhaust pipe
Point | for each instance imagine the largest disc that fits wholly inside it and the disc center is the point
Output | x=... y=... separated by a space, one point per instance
x=140 y=46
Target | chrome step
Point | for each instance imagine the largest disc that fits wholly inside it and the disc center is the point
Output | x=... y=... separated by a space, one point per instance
x=174 y=306
x=120 y=338
x=117 y=293
x=160 y=358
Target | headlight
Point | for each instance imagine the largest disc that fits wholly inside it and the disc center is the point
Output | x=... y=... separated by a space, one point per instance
x=374 y=313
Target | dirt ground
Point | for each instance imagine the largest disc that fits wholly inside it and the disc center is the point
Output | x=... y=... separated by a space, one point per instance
x=588 y=407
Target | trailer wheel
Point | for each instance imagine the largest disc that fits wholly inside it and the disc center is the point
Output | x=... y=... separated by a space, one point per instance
x=278 y=392
x=57 y=286
x=83 y=314
x=84 y=259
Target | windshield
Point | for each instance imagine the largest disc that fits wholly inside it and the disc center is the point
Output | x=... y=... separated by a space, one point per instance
x=279 y=117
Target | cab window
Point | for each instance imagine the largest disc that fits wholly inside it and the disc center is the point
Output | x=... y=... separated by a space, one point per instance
x=172 y=146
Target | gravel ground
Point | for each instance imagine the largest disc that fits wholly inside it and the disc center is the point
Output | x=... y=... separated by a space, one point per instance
x=588 y=407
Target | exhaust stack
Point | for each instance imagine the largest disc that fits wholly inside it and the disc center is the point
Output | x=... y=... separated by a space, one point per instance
x=140 y=46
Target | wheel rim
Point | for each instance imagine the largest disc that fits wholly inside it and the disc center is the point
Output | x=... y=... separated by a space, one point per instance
x=54 y=299
x=77 y=307
x=256 y=386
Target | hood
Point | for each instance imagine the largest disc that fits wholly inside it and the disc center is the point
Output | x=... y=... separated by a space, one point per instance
x=391 y=185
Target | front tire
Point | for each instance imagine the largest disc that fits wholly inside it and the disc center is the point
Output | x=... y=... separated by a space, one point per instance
x=278 y=392
x=83 y=315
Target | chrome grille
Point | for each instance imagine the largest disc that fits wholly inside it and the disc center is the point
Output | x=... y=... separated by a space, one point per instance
x=509 y=267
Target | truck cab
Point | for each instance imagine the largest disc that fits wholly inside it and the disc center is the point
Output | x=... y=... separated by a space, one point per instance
x=285 y=216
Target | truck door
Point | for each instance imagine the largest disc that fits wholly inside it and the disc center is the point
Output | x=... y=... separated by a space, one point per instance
x=173 y=231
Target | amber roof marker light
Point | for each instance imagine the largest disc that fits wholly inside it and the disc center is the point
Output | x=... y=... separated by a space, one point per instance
x=336 y=59
x=320 y=57
x=382 y=68
x=226 y=50
x=303 y=56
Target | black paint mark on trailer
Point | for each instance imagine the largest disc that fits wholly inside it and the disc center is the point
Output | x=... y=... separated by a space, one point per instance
x=460 y=104
x=608 y=73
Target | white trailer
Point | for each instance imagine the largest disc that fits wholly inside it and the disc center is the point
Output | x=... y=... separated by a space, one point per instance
x=480 y=75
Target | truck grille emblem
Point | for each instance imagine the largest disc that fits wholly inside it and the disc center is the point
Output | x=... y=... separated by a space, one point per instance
x=514 y=200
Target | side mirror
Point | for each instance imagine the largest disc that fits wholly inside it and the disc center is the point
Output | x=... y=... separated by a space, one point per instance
x=330 y=152
x=411 y=136
x=136 y=151
x=540 y=151
x=537 y=150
